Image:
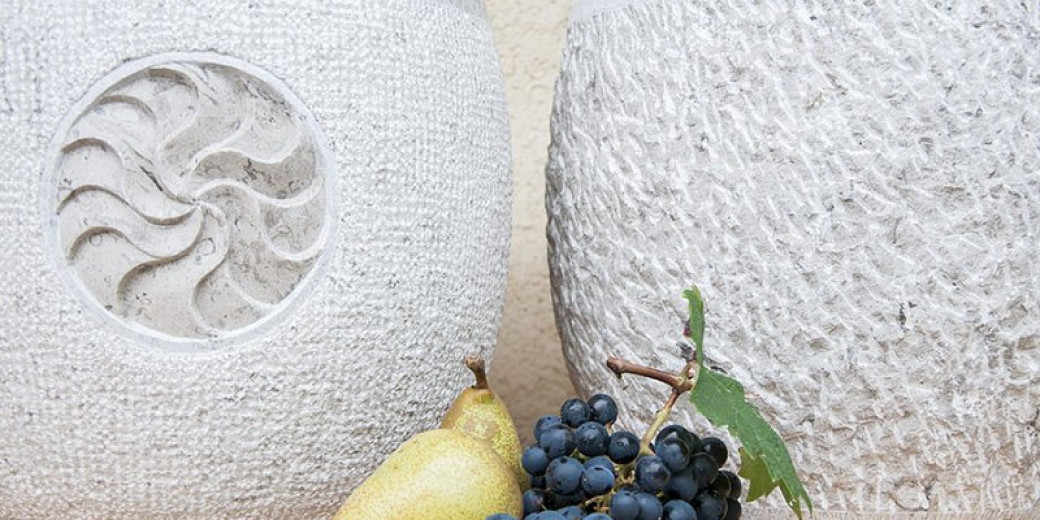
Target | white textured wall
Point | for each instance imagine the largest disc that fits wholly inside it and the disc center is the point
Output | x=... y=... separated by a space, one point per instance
x=856 y=189
x=97 y=424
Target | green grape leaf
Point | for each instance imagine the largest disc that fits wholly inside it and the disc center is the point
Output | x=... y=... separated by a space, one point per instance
x=765 y=461
x=755 y=471
x=693 y=294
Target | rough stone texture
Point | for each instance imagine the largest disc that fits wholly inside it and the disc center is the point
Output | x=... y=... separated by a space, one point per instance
x=98 y=424
x=190 y=199
x=856 y=189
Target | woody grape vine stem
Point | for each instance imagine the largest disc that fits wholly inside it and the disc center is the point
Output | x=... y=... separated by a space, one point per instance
x=680 y=383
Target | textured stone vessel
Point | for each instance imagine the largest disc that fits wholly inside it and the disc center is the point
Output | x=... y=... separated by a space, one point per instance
x=856 y=190
x=246 y=247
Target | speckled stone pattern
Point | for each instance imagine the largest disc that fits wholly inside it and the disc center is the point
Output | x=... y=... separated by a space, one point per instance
x=856 y=189
x=191 y=199
x=97 y=424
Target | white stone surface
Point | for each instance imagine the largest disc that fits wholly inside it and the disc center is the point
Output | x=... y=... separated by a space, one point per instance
x=189 y=198
x=856 y=189
x=279 y=408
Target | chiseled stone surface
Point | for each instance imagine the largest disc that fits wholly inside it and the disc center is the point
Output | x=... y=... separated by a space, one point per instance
x=191 y=199
x=856 y=189
x=356 y=150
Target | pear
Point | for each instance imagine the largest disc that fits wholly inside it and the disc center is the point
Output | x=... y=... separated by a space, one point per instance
x=436 y=475
x=477 y=411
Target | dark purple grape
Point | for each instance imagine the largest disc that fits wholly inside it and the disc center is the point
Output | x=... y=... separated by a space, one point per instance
x=592 y=439
x=538 y=482
x=651 y=473
x=679 y=431
x=598 y=516
x=720 y=486
x=571 y=512
x=564 y=475
x=551 y=515
x=601 y=460
x=679 y=510
x=734 y=483
x=631 y=488
x=624 y=506
x=575 y=412
x=733 y=509
x=557 y=441
x=544 y=423
x=674 y=452
x=716 y=448
x=597 y=481
x=705 y=469
x=709 y=506
x=650 y=507
x=568 y=499
x=534 y=501
x=682 y=485
x=624 y=447
x=534 y=460
x=604 y=409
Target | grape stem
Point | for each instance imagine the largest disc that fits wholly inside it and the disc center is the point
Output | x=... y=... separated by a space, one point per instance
x=598 y=503
x=680 y=383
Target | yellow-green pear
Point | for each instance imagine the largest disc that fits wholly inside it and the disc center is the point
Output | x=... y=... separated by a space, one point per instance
x=436 y=475
x=477 y=411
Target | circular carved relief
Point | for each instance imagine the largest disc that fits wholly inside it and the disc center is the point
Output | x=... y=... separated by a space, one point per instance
x=190 y=197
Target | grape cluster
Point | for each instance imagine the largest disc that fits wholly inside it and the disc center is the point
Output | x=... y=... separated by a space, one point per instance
x=583 y=469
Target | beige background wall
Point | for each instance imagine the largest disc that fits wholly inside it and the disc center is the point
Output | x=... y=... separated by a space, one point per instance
x=528 y=369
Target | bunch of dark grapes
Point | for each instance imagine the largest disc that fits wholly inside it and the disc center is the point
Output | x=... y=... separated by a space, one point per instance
x=583 y=469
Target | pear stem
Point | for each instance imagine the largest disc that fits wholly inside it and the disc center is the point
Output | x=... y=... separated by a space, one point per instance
x=681 y=383
x=476 y=365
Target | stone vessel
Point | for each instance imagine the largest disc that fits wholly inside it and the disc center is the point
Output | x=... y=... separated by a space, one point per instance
x=247 y=245
x=856 y=190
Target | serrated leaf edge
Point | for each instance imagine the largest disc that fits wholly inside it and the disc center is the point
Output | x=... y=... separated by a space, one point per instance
x=791 y=497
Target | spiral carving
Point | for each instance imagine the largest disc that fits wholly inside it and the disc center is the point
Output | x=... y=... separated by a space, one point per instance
x=190 y=198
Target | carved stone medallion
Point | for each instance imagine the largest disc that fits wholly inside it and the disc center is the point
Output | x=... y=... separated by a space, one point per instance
x=190 y=197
